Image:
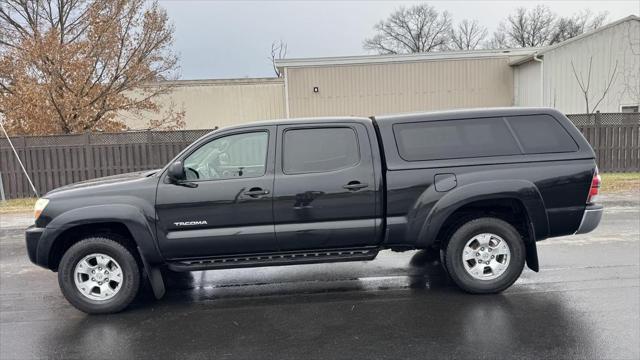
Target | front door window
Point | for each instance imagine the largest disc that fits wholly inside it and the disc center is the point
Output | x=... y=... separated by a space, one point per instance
x=234 y=156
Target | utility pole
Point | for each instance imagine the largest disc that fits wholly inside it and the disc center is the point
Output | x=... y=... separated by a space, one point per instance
x=2 y=198
x=17 y=157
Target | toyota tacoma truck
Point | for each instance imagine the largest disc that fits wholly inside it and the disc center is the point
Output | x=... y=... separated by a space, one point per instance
x=481 y=187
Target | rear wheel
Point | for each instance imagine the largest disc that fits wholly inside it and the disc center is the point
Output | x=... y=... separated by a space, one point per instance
x=485 y=255
x=98 y=275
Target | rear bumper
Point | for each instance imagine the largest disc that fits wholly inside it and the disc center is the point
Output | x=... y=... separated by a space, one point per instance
x=590 y=219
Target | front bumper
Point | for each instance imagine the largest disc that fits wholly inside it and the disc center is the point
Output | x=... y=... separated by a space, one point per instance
x=33 y=235
x=590 y=219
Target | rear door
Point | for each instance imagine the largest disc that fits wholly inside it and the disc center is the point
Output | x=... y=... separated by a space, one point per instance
x=325 y=188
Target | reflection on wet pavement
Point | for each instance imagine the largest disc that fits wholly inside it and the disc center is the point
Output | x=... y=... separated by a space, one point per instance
x=399 y=306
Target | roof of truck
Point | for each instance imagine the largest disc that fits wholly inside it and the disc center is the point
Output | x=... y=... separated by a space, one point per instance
x=404 y=117
x=424 y=115
x=466 y=113
x=302 y=120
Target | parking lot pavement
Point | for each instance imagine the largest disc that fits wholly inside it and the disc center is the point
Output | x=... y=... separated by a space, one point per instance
x=584 y=303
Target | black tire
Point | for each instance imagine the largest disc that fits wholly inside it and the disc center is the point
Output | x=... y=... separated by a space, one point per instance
x=455 y=247
x=103 y=245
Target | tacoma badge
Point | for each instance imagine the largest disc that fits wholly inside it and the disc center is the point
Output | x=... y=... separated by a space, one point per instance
x=190 y=223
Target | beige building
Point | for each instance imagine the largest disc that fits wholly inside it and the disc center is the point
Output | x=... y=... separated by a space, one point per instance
x=384 y=84
x=211 y=103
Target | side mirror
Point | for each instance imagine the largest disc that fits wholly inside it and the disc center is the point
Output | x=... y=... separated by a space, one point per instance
x=176 y=172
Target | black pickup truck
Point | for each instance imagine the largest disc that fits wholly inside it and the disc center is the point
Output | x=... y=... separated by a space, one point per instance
x=480 y=187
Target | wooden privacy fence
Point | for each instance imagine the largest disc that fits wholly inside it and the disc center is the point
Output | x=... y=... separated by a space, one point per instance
x=616 y=146
x=615 y=138
x=58 y=160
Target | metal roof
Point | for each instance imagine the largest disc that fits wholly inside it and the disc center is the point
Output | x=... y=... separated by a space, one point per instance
x=206 y=82
x=543 y=50
x=381 y=59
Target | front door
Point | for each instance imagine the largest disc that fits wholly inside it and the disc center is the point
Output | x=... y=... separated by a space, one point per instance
x=226 y=208
x=325 y=188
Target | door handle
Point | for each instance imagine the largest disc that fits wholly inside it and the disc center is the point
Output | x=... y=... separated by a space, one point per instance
x=355 y=186
x=256 y=192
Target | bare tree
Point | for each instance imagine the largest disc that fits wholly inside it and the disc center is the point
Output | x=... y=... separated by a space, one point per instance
x=585 y=85
x=630 y=89
x=567 y=27
x=70 y=66
x=529 y=27
x=278 y=52
x=467 y=35
x=497 y=41
x=420 y=28
x=539 y=26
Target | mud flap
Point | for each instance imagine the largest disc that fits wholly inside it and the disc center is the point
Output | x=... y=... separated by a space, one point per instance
x=532 y=249
x=155 y=278
x=532 y=255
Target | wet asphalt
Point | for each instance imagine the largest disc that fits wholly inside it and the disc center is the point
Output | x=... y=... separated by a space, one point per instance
x=583 y=304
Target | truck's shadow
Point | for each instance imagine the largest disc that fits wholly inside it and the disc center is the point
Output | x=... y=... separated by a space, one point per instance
x=422 y=273
x=418 y=313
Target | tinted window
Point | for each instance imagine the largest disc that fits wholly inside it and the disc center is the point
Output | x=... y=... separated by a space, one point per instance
x=453 y=139
x=233 y=156
x=541 y=134
x=317 y=150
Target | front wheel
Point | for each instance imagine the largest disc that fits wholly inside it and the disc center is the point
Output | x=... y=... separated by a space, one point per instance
x=485 y=255
x=98 y=275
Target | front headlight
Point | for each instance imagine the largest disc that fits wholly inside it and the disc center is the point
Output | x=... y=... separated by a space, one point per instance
x=39 y=207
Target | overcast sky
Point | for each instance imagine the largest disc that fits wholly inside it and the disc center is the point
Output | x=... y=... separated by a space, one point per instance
x=232 y=39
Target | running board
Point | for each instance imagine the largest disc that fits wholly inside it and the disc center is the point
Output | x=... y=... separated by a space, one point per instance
x=275 y=259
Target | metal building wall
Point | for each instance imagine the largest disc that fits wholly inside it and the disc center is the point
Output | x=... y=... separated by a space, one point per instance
x=621 y=44
x=366 y=89
x=211 y=103
x=527 y=90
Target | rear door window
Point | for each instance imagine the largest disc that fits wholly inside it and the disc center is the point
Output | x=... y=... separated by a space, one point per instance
x=540 y=134
x=453 y=139
x=319 y=150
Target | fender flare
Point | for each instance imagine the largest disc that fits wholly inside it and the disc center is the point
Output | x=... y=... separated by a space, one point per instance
x=521 y=190
x=130 y=216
